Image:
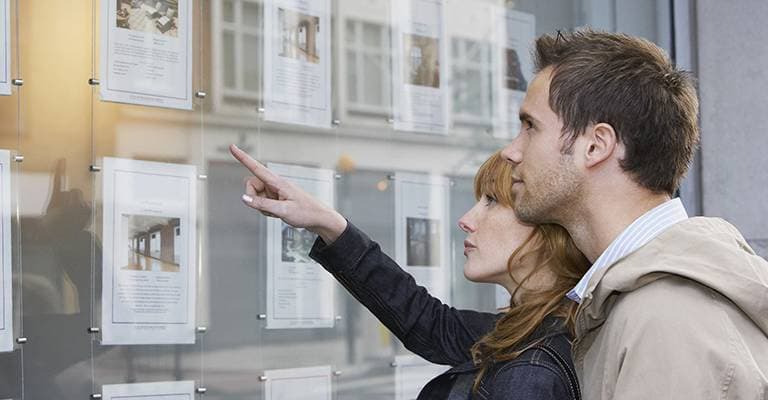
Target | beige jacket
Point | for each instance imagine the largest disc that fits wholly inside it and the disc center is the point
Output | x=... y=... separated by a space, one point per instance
x=683 y=317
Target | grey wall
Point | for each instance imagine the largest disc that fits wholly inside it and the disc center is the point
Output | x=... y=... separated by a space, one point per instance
x=733 y=55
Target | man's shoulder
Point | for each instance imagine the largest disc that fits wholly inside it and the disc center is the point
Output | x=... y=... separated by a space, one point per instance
x=666 y=303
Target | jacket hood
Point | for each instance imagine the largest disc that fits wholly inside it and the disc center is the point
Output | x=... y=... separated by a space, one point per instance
x=709 y=251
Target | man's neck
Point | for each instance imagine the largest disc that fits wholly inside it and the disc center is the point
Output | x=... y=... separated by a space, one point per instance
x=605 y=216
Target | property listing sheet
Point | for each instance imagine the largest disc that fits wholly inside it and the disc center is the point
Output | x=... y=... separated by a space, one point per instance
x=300 y=293
x=182 y=390
x=516 y=32
x=419 y=66
x=311 y=383
x=146 y=52
x=422 y=232
x=150 y=265
x=297 y=62
x=5 y=47
x=6 y=281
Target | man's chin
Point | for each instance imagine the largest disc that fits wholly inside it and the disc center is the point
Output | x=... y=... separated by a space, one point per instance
x=527 y=214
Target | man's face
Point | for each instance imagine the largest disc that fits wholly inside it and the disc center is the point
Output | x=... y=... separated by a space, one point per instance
x=547 y=182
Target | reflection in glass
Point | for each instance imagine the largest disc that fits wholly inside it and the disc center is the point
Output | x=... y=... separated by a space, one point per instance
x=251 y=14
x=228 y=44
x=228 y=10
x=251 y=65
x=352 y=77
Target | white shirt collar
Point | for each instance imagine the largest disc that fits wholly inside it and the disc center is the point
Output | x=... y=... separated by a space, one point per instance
x=636 y=235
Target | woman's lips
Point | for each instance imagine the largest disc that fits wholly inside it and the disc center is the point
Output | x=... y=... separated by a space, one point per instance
x=468 y=246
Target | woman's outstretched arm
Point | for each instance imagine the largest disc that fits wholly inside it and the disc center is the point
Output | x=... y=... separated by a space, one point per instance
x=426 y=326
x=435 y=331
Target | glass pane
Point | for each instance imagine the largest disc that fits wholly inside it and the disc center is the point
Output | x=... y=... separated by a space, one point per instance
x=372 y=95
x=371 y=35
x=473 y=92
x=352 y=76
x=228 y=52
x=228 y=10
x=251 y=65
x=251 y=14
x=349 y=32
x=67 y=127
x=474 y=52
x=456 y=47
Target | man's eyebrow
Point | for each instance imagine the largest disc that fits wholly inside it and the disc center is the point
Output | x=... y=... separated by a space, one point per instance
x=524 y=116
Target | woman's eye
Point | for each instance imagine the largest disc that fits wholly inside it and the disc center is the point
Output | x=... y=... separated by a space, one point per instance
x=489 y=200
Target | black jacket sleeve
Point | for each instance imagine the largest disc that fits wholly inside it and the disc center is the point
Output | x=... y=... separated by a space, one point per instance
x=426 y=326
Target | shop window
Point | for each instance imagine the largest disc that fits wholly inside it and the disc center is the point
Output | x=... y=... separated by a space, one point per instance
x=472 y=81
x=368 y=67
x=237 y=65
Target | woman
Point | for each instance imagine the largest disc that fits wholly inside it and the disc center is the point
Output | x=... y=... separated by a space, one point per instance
x=523 y=353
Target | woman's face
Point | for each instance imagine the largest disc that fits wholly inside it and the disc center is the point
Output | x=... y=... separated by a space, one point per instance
x=493 y=234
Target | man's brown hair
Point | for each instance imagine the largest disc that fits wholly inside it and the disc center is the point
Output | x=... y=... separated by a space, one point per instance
x=631 y=84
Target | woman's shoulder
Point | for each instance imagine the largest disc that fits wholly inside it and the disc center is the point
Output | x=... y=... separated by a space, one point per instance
x=543 y=370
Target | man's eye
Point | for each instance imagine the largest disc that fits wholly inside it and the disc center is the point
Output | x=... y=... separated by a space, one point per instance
x=527 y=124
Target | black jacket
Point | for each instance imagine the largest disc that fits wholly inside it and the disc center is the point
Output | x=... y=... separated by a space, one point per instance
x=444 y=335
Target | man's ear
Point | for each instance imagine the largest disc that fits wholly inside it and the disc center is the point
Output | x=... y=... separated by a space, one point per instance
x=601 y=144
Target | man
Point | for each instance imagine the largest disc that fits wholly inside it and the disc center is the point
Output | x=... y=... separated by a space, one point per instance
x=672 y=308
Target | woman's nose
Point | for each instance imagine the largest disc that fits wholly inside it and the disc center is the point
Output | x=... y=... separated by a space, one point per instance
x=465 y=225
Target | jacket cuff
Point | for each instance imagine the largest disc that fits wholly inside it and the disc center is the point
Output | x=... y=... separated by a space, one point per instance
x=344 y=253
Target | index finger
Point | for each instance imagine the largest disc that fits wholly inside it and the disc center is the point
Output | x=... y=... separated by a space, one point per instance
x=58 y=182
x=259 y=170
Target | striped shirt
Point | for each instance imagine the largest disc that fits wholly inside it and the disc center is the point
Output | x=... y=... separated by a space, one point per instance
x=636 y=235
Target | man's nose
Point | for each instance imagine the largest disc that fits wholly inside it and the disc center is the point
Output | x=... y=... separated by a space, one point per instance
x=513 y=152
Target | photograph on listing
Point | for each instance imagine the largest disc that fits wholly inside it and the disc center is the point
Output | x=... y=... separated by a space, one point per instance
x=154 y=243
x=160 y=17
x=296 y=244
x=423 y=238
x=298 y=35
x=421 y=59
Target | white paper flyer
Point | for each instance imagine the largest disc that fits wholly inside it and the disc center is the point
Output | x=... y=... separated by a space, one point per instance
x=5 y=47
x=6 y=288
x=422 y=232
x=300 y=293
x=146 y=52
x=311 y=383
x=182 y=390
x=514 y=69
x=419 y=66
x=297 y=62
x=150 y=264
